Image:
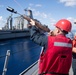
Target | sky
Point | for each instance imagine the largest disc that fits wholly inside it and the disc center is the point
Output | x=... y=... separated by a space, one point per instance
x=48 y=12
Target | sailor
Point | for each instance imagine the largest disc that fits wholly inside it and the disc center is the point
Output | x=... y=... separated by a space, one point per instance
x=74 y=55
x=56 y=57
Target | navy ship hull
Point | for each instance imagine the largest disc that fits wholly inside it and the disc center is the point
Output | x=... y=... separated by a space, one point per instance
x=10 y=34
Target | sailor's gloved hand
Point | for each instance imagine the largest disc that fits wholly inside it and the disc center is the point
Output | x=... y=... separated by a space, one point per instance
x=32 y=22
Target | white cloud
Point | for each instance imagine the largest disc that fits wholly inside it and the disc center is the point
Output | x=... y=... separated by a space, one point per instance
x=53 y=20
x=31 y=8
x=72 y=21
x=35 y=5
x=2 y=21
x=1 y=18
x=44 y=15
x=38 y=5
x=75 y=20
x=31 y=4
x=68 y=2
x=38 y=13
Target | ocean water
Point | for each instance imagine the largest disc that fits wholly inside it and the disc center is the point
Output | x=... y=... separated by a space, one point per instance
x=23 y=52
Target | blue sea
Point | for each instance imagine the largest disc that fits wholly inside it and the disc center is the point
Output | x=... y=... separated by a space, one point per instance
x=23 y=53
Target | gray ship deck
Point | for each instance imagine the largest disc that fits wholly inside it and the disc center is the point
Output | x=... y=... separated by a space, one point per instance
x=33 y=70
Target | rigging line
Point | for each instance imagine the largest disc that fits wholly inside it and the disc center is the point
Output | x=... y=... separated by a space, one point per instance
x=69 y=1
x=19 y=5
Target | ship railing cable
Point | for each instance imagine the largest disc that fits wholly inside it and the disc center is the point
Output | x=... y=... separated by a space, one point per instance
x=6 y=62
x=26 y=70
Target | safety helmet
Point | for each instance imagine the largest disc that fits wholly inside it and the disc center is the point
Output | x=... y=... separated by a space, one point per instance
x=64 y=24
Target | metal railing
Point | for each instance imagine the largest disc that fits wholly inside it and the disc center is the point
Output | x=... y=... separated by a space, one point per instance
x=30 y=67
x=6 y=62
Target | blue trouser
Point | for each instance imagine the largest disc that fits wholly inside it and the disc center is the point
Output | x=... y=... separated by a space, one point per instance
x=74 y=66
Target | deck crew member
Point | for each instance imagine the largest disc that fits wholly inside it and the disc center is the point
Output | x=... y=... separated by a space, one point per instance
x=57 y=54
x=74 y=55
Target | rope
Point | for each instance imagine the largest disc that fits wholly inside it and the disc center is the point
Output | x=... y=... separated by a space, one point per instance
x=18 y=5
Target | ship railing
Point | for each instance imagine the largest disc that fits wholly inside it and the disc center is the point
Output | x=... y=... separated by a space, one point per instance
x=6 y=62
x=31 y=70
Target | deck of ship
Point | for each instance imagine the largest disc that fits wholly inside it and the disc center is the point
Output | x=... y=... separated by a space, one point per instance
x=33 y=70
